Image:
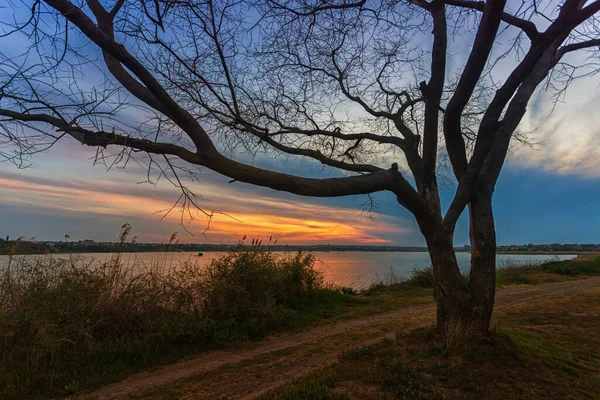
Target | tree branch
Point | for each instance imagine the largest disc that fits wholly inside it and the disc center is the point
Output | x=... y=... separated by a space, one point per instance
x=526 y=26
x=317 y=155
x=183 y=118
x=378 y=180
x=482 y=46
x=315 y=10
x=577 y=46
x=432 y=93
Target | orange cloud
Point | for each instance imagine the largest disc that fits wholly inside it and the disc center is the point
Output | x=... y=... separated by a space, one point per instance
x=254 y=216
x=297 y=230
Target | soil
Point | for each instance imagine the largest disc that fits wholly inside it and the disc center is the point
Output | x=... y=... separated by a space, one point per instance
x=232 y=375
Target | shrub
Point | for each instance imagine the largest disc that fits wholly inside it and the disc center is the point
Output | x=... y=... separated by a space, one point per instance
x=71 y=323
x=253 y=282
x=573 y=268
x=348 y=290
x=421 y=277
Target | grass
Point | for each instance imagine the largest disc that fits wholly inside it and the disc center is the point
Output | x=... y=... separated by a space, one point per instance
x=505 y=357
x=508 y=275
x=583 y=267
x=544 y=349
x=551 y=271
x=67 y=326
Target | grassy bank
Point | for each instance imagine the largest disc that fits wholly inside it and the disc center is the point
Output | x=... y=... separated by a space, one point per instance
x=547 y=348
x=552 y=271
x=67 y=326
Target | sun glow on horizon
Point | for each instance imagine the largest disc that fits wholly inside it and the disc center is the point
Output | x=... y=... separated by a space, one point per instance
x=258 y=217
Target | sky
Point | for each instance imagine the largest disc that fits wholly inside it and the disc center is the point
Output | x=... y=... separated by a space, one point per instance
x=547 y=193
x=538 y=199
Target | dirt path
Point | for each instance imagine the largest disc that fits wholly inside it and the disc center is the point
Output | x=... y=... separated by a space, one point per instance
x=312 y=349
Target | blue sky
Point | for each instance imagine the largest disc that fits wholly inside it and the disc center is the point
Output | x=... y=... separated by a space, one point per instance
x=545 y=207
x=62 y=193
x=547 y=193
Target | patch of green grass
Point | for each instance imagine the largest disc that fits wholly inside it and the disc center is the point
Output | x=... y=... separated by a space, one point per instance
x=551 y=271
x=513 y=275
x=419 y=279
x=573 y=268
x=317 y=389
x=546 y=349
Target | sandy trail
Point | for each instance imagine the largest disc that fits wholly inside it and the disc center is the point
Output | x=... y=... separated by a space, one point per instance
x=246 y=388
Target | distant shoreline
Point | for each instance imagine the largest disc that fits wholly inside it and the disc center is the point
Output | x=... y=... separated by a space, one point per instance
x=543 y=252
x=579 y=254
x=89 y=246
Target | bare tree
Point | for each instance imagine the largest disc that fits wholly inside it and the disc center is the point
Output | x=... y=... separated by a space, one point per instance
x=369 y=88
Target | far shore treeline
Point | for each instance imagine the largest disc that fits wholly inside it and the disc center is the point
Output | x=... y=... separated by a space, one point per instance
x=90 y=246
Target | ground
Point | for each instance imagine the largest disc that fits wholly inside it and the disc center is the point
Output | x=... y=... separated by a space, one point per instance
x=545 y=343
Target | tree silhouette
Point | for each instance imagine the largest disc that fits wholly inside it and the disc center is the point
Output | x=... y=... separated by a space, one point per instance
x=376 y=90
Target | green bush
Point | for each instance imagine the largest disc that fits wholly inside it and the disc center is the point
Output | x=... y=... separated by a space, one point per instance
x=251 y=282
x=573 y=268
x=66 y=324
x=421 y=277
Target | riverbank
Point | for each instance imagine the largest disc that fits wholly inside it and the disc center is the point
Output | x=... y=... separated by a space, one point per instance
x=588 y=256
x=545 y=347
x=357 y=270
x=69 y=325
x=545 y=253
x=397 y=354
x=77 y=366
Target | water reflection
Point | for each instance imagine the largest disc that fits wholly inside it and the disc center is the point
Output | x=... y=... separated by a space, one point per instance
x=354 y=269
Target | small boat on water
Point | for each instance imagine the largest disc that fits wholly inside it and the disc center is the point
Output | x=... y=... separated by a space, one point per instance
x=200 y=254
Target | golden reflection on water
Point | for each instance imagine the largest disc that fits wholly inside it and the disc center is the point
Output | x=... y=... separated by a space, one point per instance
x=348 y=268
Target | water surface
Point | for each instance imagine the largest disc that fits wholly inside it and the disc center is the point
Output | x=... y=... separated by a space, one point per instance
x=349 y=268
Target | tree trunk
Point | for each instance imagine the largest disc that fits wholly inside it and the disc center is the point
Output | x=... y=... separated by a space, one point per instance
x=482 y=283
x=464 y=311
x=450 y=291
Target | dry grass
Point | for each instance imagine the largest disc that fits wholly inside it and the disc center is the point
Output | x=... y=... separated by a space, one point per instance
x=262 y=371
x=590 y=256
x=71 y=324
x=68 y=325
x=548 y=348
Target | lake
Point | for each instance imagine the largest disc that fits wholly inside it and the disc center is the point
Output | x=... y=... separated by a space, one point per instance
x=350 y=268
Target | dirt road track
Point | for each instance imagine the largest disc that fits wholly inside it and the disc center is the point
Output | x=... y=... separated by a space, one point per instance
x=403 y=319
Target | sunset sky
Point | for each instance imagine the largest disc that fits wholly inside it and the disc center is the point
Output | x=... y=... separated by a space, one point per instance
x=547 y=193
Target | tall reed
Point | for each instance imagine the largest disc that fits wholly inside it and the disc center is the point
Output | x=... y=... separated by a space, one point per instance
x=68 y=323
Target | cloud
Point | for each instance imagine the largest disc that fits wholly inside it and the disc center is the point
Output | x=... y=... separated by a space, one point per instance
x=568 y=136
x=246 y=213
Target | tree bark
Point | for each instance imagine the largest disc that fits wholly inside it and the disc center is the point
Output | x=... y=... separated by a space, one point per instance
x=482 y=283
x=464 y=310
x=450 y=291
